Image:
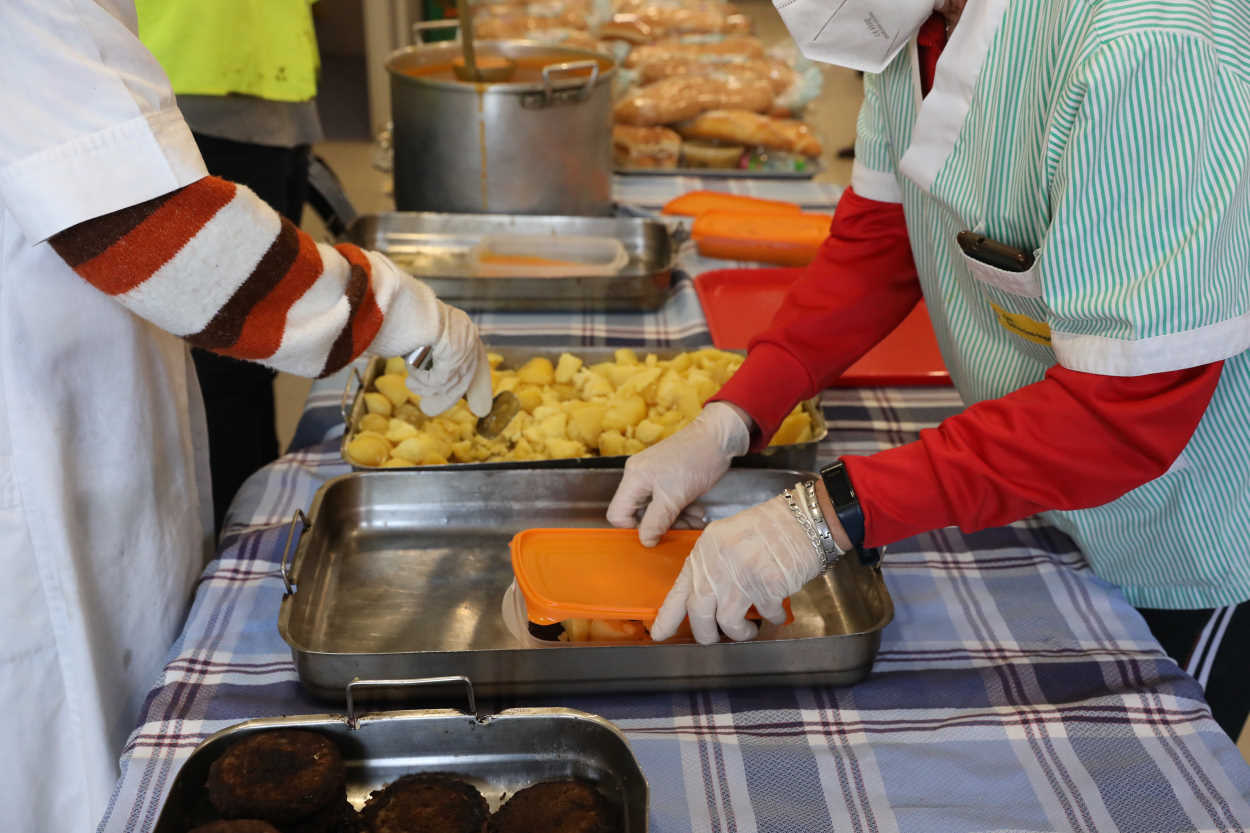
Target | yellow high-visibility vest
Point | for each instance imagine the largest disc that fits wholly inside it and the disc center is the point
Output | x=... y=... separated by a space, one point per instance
x=264 y=48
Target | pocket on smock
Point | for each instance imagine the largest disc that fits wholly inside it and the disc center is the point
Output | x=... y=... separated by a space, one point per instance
x=1014 y=300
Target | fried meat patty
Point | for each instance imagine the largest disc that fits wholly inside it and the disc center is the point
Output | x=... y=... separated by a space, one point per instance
x=555 y=807
x=426 y=803
x=281 y=776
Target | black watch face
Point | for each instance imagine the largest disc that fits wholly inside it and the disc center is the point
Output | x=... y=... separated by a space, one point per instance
x=838 y=485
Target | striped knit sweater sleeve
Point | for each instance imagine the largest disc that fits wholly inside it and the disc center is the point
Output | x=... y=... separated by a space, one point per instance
x=215 y=265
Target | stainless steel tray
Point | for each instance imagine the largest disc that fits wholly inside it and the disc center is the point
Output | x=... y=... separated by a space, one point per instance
x=792 y=456
x=403 y=574
x=499 y=754
x=435 y=248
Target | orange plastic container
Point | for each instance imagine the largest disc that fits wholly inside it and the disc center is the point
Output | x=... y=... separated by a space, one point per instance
x=598 y=573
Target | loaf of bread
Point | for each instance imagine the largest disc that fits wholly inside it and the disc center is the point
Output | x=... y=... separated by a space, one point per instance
x=644 y=147
x=777 y=73
x=740 y=46
x=690 y=17
x=626 y=27
x=678 y=99
x=743 y=126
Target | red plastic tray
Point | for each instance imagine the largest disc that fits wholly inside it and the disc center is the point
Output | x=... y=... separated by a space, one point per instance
x=738 y=303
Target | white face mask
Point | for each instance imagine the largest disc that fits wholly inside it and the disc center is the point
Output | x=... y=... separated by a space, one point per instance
x=860 y=34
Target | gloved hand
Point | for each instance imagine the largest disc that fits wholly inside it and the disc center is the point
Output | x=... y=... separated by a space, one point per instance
x=457 y=366
x=759 y=556
x=676 y=471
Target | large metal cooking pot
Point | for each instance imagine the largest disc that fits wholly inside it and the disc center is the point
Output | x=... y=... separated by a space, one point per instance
x=539 y=144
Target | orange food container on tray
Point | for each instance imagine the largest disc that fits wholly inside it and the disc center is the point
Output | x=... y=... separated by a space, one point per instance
x=598 y=573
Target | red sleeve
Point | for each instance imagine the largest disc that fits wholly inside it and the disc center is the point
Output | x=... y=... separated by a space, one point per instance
x=1071 y=441
x=857 y=290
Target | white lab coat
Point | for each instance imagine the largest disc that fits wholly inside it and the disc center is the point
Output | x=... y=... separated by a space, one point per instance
x=103 y=499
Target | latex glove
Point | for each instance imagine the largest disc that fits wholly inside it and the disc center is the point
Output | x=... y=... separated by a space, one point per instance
x=457 y=367
x=670 y=474
x=759 y=556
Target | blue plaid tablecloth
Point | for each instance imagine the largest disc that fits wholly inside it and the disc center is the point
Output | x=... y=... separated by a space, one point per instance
x=1014 y=690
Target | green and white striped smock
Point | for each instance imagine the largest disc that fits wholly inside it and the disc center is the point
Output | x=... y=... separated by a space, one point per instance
x=1112 y=139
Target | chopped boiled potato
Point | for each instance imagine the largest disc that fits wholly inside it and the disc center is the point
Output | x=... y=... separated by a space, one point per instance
x=586 y=423
x=611 y=444
x=378 y=403
x=792 y=427
x=568 y=409
x=374 y=422
x=619 y=374
x=688 y=403
x=564 y=391
x=411 y=414
x=576 y=630
x=530 y=397
x=624 y=412
x=394 y=386
x=537 y=371
x=368 y=449
x=648 y=432
x=398 y=431
x=554 y=426
x=639 y=381
x=597 y=385
x=567 y=367
x=560 y=448
x=615 y=630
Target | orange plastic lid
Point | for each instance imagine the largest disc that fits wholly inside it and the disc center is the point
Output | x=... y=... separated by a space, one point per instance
x=599 y=573
x=596 y=573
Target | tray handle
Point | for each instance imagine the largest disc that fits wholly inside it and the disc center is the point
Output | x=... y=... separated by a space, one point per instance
x=356 y=683
x=344 y=409
x=285 y=566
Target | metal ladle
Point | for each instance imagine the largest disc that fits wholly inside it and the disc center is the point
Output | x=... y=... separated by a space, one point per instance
x=490 y=70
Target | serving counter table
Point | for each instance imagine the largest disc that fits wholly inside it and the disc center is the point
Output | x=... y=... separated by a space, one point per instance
x=1014 y=691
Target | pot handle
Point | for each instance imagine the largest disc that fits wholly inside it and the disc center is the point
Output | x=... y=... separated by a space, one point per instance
x=353 y=719
x=422 y=26
x=570 y=66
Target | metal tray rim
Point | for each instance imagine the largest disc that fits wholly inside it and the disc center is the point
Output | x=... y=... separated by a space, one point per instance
x=287 y=603
x=343 y=722
x=659 y=268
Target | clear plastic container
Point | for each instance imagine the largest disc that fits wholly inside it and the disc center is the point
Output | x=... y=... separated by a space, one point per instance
x=546 y=256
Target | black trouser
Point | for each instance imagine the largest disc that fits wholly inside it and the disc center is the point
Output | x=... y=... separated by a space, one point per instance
x=1214 y=647
x=238 y=395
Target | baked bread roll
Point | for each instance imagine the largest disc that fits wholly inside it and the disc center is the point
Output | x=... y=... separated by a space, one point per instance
x=710 y=155
x=739 y=46
x=690 y=17
x=644 y=147
x=744 y=126
x=677 y=99
x=778 y=73
x=626 y=27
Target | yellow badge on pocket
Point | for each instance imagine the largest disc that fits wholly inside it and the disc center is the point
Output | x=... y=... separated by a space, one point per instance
x=1022 y=325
